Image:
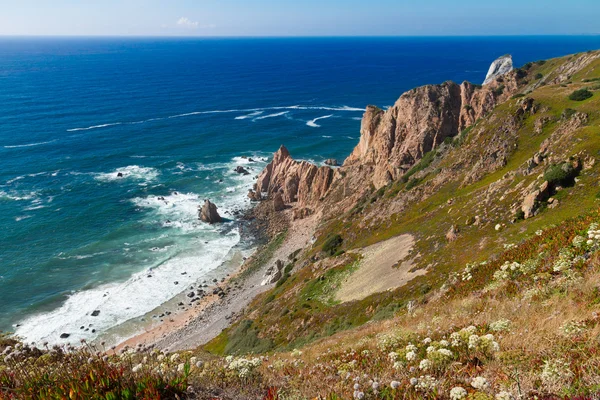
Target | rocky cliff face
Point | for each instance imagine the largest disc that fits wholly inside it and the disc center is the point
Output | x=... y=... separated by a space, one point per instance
x=499 y=67
x=299 y=183
x=393 y=141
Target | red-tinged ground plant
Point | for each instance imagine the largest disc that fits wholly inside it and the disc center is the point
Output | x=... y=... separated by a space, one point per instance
x=87 y=373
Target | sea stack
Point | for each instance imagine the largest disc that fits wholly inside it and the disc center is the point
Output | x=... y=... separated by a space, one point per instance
x=208 y=213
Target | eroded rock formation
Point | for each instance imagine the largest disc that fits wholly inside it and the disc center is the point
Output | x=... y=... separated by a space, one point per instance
x=299 y=183
x=392 y=141
x=208 y=213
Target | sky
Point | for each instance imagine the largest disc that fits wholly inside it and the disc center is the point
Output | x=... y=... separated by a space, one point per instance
x=298 y=17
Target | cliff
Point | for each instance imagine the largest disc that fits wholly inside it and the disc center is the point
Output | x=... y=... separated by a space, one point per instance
x=392 y=141
x=299 y=183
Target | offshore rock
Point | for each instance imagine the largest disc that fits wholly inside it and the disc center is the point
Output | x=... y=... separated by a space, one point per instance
x=208 y=213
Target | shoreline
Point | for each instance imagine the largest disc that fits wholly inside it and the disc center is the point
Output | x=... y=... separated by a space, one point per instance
x=226 y=300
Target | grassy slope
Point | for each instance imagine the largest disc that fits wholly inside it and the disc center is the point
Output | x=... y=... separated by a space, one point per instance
x=291 y=319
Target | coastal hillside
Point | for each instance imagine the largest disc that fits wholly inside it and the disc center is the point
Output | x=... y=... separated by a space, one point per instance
x=453 y=254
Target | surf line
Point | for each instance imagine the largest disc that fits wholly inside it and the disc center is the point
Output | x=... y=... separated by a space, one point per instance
x=249 y=110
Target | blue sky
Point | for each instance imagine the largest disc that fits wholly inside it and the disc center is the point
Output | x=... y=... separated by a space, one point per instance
x=298 y=17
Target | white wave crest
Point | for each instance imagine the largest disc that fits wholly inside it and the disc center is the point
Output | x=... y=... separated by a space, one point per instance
x=313 y=123
x=279 y=114
x=120 y=302
x=16 y=146
x=251 y=115
x=130 y=172
x=248 y=110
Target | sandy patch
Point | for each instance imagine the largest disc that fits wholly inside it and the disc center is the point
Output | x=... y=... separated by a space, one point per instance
x=376 y=272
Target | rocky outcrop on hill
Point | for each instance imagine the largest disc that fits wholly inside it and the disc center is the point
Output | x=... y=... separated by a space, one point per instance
x=499 y=67
x=299 y=183
x=393 y=141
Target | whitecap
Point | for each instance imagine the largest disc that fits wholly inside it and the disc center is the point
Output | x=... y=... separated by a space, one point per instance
x=22 y=217
x=18 y=196
x=94 y=127
x=248 y=110
x=313 y=123
x=16 y=146
x=130 y=172
x=251 y=115
x=120 y=302
x=271 y=115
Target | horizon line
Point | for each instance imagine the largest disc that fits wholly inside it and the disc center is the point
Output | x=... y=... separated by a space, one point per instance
x=290 y=36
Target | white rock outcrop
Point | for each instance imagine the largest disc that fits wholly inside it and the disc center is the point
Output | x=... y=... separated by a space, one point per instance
x=500 y=66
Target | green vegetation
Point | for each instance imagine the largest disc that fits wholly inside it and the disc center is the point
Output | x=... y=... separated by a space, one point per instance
x=332 y=244
x=560 y=174
x=263 y=255
x=244 y=339
x=499 y=90
x=539 y=75
x=580 y=95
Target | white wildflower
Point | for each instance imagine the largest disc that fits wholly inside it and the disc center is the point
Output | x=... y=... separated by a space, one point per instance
x=424 y=365
x=426 y=383
x=504 y=396
x=394 y=385
x=393 y=356
x=480 y=383
x=500 y=325
x=473 y=341
x=458 y=393
x=411 y=356
x=411 y=347
x=556 y=372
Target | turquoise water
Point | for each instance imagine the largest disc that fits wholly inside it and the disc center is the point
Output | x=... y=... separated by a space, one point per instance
x=175 y=117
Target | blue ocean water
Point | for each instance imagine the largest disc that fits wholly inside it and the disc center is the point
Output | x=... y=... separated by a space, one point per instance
x=175 y=116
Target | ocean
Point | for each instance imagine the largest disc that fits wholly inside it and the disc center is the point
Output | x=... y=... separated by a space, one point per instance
x=175 y=117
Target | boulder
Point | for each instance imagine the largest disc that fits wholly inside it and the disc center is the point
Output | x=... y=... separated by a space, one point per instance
x=95 y=313
x=273 y=274
x=332 y=162
x=254 y=196
x=208 y=213
x=65 y=335
x=278 y=204
x=241 y=170
x=531 y=201
x=452 y=233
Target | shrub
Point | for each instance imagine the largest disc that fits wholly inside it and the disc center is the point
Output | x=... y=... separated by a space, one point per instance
x=518 y=95
x=580 y=95
x=560 y=174
x=332 y=243
x=541 y=62
x=412 y=183
x=568 y=113
x=539 y=76
x=520 y=215
x=499 y=90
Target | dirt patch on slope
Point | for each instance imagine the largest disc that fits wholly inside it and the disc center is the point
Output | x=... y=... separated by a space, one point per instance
x=376 y=272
